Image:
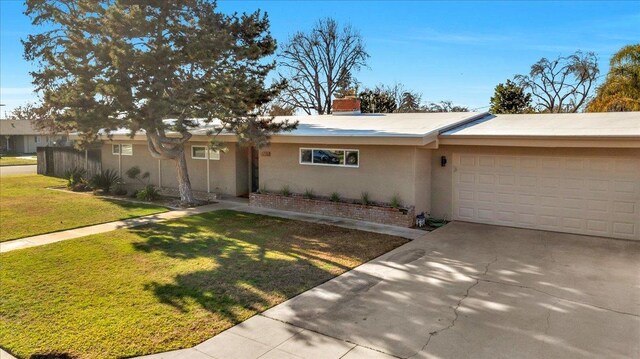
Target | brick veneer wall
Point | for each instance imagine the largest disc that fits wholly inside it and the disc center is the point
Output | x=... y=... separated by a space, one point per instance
x=383 y=215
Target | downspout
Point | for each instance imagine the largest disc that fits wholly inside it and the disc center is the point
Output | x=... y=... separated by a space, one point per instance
x=208 y=174
x=120 y=161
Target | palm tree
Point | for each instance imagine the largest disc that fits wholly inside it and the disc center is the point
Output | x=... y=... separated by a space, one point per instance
x=621 y=89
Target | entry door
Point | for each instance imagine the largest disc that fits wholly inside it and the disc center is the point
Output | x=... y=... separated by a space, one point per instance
x=255 y=169
x=585 y=195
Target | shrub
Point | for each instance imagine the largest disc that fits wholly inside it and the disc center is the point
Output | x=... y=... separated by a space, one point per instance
x=335 y=197
x=148 y=193
x=285 y=191
x=395 y=201
x=76 y=179
x=104 y=180
x=136 y=174
x=308 y=194
x=119 y=189
x=364 y=198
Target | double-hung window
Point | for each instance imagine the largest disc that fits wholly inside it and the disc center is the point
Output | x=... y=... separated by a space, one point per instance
x=200 y=153
x=330 y=157
x=122 y=149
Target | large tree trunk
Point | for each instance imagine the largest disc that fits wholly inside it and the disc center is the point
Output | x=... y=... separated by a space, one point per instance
x=184 y=184
x=163 y=147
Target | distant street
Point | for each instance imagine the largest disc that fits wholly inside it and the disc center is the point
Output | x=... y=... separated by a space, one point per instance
x=17 y=170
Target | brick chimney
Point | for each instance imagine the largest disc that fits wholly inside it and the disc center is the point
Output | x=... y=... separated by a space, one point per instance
x=348 y=105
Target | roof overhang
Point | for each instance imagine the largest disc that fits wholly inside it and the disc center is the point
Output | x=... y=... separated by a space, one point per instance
x=541 y=141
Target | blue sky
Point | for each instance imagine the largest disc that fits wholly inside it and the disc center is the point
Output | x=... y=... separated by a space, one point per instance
x=455 y=51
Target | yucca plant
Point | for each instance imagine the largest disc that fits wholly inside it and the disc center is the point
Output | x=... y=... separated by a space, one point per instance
x=308 y=194
x=148 y=193
x=76 y=178
x=395 y=201
x=364 y=198
x=104 y=180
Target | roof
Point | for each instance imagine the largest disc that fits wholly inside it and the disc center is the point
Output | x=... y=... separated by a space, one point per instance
x=378 y=125
x=17 y=127
x=581 y=125
x=392 y=129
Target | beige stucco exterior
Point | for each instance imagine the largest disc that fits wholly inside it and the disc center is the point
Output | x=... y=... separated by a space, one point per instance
x=19 y=136
x=442 y=177
x=228 y=175
x=383 y=172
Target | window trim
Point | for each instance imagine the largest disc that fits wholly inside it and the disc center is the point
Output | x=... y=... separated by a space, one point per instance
x=344 y=165
x=213 y=155
x=119 y=153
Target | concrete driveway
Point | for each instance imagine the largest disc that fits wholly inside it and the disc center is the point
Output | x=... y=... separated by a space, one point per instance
x=463 y=291
x=18 y=170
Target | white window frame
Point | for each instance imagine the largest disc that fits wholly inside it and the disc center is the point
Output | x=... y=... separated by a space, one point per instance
x=213 y=155
x=119 y=146
x=344 y=165
x=36 y=139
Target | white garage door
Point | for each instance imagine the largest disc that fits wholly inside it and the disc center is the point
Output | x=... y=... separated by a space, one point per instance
x=586 y=195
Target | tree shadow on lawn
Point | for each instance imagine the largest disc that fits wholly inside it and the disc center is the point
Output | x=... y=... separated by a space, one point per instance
x=259 y=261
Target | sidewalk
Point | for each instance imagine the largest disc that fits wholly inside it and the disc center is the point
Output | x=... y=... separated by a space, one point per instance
x=47 y=238
x=267 y=338
x=234 y=204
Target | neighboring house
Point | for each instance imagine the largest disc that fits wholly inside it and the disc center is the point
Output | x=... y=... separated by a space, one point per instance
x=19 y=136
x=576 y=173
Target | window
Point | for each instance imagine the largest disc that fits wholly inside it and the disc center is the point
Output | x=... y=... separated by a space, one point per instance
x=124 y=149
x=37 y=139
x=329 y=157
x=127 y=150
x=200 y=153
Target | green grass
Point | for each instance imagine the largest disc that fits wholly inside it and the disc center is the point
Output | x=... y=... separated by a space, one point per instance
x=166 y=286
x=28 y=208
x=16 y=161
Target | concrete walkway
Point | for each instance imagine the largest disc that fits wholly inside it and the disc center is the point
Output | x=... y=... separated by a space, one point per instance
x=47 y=238
x=18 y=170
x=235 y=204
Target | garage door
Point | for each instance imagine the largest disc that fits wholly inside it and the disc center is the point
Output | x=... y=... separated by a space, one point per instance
x=585 y=195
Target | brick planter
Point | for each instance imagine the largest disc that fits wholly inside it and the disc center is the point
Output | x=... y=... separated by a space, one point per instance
x=402 y=217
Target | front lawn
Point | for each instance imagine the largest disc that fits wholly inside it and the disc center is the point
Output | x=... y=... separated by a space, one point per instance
x=28 y=208
x=166 y=286
x=18 y=160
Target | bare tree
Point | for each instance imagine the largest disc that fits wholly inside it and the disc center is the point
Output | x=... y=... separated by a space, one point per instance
x=27 y=112
x=445 y=106
x=561 y=85
x=318 y=63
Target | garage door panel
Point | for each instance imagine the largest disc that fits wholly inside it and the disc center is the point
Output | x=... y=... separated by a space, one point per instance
x=630 y=187
x=622 y=208
x=573 y=223
x=624 y=228
x=585 y=195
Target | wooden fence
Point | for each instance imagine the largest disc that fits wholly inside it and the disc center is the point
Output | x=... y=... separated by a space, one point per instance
x=55 y=161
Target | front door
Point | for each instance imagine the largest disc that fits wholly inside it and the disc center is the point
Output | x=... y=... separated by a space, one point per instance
x=255 y=159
